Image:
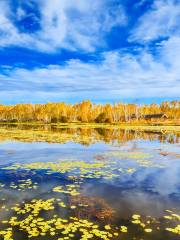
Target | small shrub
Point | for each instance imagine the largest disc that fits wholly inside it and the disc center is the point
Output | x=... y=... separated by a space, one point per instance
x=64 y=119
x=14 y=121
x=101 y=118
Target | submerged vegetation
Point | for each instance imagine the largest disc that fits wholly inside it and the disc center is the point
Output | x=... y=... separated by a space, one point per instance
x=87 y=112
x=70 y=213
x=27 y=218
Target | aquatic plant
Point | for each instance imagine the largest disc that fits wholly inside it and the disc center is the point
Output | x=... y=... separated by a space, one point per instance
x=94 y=208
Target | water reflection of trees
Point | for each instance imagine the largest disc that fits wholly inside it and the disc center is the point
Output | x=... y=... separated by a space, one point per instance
x=84 y=136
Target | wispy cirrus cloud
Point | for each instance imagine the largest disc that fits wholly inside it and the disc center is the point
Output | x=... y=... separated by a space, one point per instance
x=160 y=21
x=69 y=24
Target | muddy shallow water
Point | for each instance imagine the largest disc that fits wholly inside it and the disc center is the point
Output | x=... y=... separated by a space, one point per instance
x=124 y=188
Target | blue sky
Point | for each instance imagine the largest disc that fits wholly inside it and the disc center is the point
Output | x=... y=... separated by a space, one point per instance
x=103 y=50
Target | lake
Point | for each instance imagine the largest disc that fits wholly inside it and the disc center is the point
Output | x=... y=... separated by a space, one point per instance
x=89 y=183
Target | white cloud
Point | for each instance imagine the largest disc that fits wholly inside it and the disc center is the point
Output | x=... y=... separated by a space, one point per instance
x=117 y=75
x=81 y=25
x=162 y=20
x=71 y=24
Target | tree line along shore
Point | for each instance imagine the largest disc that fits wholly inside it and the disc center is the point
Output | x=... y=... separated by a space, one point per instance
x=88 y=112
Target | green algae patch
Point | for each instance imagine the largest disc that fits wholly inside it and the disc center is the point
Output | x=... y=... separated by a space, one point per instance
x=78 y=168
x=132 y=155
x=70 y=189
x=23 y=185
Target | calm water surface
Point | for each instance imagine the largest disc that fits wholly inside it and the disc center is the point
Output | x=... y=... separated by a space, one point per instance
x=126 y=188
